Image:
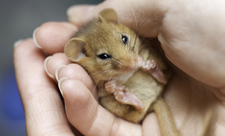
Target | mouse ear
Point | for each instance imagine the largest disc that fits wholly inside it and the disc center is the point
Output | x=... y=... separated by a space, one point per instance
x=74 y=48
x=108 y=15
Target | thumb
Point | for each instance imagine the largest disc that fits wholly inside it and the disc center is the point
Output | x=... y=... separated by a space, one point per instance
x=87 y=116
x=143 y=16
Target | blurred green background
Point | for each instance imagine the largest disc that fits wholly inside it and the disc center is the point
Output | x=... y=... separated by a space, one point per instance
x=18 y=19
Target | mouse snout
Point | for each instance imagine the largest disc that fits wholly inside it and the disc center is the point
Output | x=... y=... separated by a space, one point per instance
x=129 y=64
x=129 y=68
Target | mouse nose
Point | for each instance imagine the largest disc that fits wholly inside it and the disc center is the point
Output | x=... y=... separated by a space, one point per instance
x=130 y=64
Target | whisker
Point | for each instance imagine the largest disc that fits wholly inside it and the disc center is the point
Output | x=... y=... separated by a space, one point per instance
x=100 y=72
x=95 y=87
x=138 y=28
x=107 y=73
x=119 y=61
x=146 y=41
x=132 y=12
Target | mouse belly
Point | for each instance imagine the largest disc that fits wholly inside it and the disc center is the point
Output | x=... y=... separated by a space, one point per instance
x=144 y=87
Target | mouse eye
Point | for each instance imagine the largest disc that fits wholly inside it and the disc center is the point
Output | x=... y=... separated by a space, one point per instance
x=124 y=39
x=104 y=56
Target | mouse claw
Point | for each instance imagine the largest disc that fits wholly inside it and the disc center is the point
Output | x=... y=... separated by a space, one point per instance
x=110 y=86
x=152 y=67
x=124 y=96
x=140 y=62
x=149 y=65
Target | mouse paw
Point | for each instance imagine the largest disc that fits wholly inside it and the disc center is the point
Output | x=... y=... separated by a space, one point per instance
x=110 y=86
x=149 y=65
x=152 y=67
x=123 y=95
x=140 y=62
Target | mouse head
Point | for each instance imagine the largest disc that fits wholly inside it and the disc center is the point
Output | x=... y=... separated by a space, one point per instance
x=105 y=47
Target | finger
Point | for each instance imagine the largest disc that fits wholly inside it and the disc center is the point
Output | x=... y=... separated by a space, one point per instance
x=53 y=62
x=141 y=16
x=55 y=66
x=53 y=36
x=150 y=120
x=42 y=105
x=88 y=117
x=75 y=71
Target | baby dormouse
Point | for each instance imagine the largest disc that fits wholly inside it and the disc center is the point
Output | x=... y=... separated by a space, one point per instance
x=110 y=53
x=129 y=78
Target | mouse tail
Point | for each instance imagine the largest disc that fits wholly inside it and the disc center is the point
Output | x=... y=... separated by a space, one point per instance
x=209 y=124
x=165 y=119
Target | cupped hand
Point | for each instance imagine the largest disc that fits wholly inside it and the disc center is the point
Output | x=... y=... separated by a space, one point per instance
x=195 y=89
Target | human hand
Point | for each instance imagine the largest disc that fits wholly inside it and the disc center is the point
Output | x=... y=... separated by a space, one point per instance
x=43 y=107
x=184 y=94
x=191 y=35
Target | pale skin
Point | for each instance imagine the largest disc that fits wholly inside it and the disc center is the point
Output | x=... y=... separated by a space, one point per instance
x=192 y=37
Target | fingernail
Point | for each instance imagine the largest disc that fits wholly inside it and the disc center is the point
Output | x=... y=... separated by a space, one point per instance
x=57 y=72
x=70 y=11
x=34 y=38
x=45 y=65
x=17 y=43
x=60 y=83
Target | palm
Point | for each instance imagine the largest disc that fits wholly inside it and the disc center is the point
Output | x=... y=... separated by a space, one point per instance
x=190 y=102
